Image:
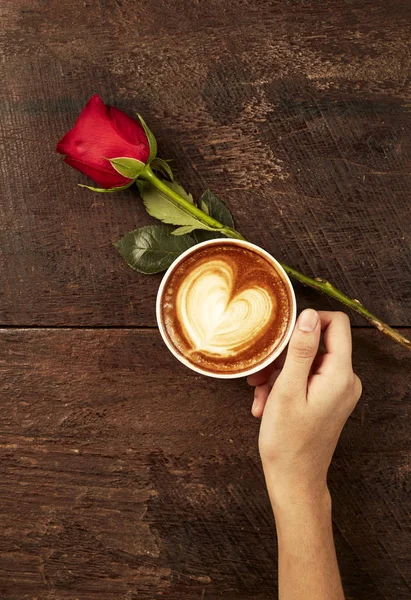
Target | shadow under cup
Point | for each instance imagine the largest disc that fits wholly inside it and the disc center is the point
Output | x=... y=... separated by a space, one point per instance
x=226 y=308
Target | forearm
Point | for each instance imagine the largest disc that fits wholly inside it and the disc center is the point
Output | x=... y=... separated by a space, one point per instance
x=307 y=563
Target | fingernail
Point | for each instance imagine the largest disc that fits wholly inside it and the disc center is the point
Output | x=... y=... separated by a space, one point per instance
x=308 y=319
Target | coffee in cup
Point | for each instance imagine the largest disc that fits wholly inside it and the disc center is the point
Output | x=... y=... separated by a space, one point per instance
x=226 y=308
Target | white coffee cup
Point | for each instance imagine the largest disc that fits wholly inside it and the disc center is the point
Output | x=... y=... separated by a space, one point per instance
x=293 y=308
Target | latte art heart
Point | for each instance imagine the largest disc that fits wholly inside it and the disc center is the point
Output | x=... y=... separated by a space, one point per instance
x=225 y=308
x=217 y=321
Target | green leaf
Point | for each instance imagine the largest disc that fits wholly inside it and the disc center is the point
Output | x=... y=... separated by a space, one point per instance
x=177 y=187
x=104 y=190
x=128 y=167
x=158 y=164
x=151 y=139
x=217 y=208
x=159 y=206
x=153 y=248
x=202 y=236
x=183 y=230
x=204 y=207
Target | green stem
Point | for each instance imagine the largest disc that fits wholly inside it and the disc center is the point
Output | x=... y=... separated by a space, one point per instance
x=325 y=287
x=148 y=174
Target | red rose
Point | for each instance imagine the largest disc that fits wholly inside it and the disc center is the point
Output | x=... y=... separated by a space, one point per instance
x=100 y=133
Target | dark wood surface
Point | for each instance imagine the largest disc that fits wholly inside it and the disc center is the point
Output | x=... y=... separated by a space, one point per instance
x=297 y=113
x=119 y=482
x=123 y=475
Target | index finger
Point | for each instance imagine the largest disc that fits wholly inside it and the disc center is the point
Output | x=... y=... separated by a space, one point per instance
x=263 y=376
x=336 y=330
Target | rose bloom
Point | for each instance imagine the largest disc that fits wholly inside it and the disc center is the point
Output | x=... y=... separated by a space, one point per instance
x=102 y=132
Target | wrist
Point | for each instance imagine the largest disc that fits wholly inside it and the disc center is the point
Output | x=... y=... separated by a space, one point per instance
x=291 y=495
x=302 y=512
x=307 y=501
x=307 y=519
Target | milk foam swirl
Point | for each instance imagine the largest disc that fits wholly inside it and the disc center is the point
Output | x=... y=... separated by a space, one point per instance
x=214 y=320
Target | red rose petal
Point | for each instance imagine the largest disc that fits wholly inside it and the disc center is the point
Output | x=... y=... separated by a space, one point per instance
x=100 y=133
x=131 y=130
x=104 y=178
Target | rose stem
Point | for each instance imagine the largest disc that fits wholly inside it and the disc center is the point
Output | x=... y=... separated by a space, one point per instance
x=187 y=205
x=325 y=287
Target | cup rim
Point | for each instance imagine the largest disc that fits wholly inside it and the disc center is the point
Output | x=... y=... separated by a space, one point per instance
x=270 y=359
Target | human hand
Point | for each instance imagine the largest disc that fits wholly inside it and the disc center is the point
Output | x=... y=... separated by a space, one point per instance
x=304 y=399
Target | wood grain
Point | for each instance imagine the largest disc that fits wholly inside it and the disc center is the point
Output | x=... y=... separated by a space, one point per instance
x=120 y=481
x=297 y=113
x=122 y=474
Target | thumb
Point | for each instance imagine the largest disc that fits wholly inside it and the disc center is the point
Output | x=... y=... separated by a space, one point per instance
x=303 y=347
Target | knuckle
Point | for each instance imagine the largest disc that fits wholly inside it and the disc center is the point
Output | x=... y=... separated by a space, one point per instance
x=302 y=352
x=348 y=387
x=343 y=317
x=357 y=387
x=343 y=383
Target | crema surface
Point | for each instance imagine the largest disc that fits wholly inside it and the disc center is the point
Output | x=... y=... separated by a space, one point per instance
x=225 y=308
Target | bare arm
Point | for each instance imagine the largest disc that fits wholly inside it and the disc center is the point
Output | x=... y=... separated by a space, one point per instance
x=307 y=564
x=304 y=400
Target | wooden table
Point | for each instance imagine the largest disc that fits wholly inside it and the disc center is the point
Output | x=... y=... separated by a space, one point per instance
x=124 y=475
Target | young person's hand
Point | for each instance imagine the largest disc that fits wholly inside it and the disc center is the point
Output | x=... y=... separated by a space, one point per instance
x=304 y=400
